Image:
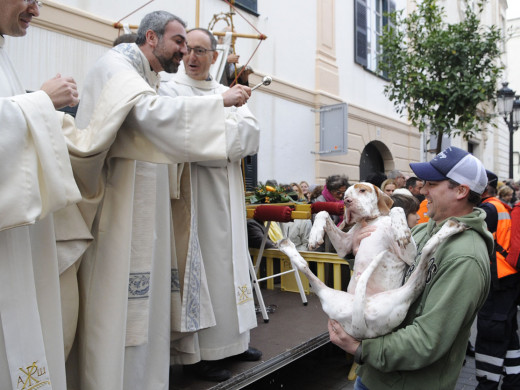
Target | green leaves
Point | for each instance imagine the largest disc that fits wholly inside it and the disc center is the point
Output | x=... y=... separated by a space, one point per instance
x=269 y=194
x=441 y=73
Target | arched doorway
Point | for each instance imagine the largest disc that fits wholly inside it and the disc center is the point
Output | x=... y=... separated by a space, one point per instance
x=373 y=159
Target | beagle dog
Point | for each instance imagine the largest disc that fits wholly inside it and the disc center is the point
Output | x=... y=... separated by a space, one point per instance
x=376 y=301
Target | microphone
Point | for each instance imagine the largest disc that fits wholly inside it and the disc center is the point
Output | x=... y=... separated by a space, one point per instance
x=265 y=81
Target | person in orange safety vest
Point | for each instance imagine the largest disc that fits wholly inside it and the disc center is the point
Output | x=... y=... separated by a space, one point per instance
x=497 y=347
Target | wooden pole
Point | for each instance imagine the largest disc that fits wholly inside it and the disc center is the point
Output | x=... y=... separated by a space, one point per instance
x=120 y=26
x=239 y=35
x=197 y=14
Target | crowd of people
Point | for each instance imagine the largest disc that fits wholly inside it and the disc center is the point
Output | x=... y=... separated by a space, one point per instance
x=335 y=186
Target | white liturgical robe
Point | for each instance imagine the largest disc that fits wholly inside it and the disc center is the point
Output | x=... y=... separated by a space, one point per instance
x=132 y=291
x=36 y=180
x=219 y=204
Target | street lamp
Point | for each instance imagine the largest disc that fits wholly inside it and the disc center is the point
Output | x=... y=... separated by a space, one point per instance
x=508 y=106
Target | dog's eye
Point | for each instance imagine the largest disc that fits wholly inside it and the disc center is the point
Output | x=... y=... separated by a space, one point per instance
x=362 y=190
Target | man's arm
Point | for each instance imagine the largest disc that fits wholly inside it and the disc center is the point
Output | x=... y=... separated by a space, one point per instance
x=184 y=129
x=236 y=96
x=242 y=133
x=454 y=295
x=35 y=170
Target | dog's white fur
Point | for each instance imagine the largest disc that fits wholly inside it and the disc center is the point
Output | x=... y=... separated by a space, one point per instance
x=376 y=301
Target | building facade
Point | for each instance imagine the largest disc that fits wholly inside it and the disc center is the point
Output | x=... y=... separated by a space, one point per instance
x=324 y=113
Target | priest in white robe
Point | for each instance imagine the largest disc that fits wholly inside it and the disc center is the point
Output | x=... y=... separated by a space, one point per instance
x=219 y=203
x=36 y=181
x=133 y=293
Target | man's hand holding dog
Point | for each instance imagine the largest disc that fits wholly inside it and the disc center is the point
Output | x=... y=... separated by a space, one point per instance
x=341 y=338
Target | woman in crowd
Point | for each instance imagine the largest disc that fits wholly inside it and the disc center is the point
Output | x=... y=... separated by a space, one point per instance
x=505 y=194
x=305 y=190
x=334 y=191
x=388 y=186
x=296 y=188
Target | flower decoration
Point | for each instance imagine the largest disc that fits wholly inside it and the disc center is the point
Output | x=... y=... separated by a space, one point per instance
x=270 y=194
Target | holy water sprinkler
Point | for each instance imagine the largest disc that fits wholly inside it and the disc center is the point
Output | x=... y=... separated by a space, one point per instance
x=265 y=81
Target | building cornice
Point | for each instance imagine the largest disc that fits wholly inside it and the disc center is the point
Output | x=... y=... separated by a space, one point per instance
x=76 y=23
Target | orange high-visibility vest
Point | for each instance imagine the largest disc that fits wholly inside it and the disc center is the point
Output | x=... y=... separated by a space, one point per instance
x=423 y=209
x=502 y=237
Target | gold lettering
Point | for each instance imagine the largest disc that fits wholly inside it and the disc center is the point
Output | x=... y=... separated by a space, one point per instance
x=30 y=382
x=243 y=294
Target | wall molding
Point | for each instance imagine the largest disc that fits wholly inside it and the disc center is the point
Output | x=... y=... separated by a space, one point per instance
x=76 y=23
x=293 y=93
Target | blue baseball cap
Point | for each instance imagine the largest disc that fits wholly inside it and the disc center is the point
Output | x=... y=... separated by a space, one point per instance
x=455 y=164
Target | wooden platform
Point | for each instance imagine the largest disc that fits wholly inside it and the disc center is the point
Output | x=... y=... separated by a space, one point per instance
x=293 y=331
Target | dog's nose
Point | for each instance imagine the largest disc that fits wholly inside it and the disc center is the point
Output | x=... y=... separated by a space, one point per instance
x=348 y=200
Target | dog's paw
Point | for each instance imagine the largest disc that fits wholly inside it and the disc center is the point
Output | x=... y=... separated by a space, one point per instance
x=451 y=227
x=287 y=246
x=402 y=232
x=318 y=230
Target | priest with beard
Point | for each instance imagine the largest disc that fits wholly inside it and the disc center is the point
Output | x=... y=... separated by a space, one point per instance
x=218 y=201
x=135 y=295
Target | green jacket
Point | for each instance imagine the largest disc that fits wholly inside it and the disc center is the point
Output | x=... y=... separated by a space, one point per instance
x=428 y=349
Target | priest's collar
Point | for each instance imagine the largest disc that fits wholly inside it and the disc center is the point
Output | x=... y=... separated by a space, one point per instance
x=208 y=84
x=140 y=63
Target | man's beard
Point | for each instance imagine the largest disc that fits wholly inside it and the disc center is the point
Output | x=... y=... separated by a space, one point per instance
x=168 y=65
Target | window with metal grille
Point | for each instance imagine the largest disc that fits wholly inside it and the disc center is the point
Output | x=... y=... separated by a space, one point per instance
x=369 y=20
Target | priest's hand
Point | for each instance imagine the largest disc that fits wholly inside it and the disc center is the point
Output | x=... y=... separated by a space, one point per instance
x=62 y=91
x=236 y=96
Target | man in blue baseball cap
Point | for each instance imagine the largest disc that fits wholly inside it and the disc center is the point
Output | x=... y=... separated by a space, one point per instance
x=427 y=350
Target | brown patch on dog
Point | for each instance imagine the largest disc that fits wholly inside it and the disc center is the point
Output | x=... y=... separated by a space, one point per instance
x=384 y=202
x=364 y=186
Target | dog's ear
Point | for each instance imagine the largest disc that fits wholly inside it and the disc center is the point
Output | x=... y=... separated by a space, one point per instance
x=384 y=202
